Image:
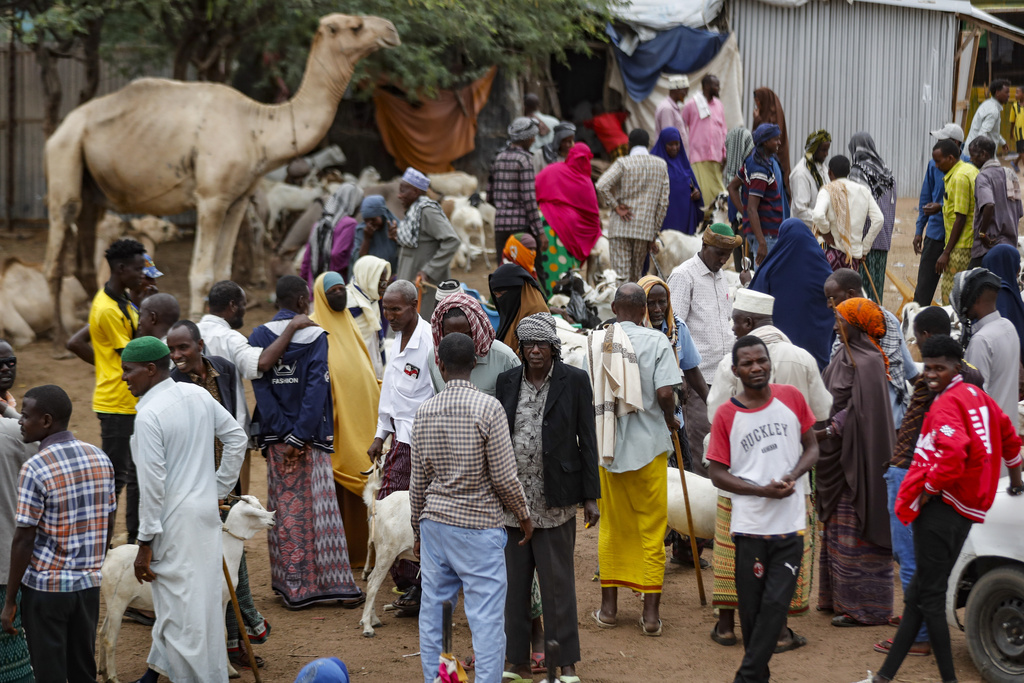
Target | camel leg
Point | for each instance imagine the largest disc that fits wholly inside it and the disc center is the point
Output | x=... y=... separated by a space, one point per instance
x=210 y=221
x=85 y=258
x=227 y=237
x=62 y=216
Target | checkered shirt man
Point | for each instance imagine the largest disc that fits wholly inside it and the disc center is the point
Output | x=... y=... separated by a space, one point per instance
x=513 y=193
x=66 y=491
x=463 y=465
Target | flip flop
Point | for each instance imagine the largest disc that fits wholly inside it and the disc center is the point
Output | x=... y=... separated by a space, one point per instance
x=796 y=641
x=652 y=634
x=511 y=676
x=722 y=640
x=846 y=621
x=569 y=679
x=601 y=623
x=895 y=621
x=886 y=645
x=537 y=665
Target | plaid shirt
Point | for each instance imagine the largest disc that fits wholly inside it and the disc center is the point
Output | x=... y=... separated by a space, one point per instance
x=513 y=192
x=639 y=181
x=463 y=465
x=66 y=492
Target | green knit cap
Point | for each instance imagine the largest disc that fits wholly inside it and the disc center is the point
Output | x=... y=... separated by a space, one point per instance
x=145 y=350
x=721 y=235
x=722 y=229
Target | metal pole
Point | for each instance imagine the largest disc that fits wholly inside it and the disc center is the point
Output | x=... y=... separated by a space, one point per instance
x=11 y=90
x=689 y=521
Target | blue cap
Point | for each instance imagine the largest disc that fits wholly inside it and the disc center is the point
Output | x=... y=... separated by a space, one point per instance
x=149 y=268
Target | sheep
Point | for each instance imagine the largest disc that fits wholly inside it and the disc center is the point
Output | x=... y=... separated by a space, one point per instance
x=454 y=184
x=26 y=307
x=391 y=539
x=703 y=504
x=674 y=248
x=599 y=260
x=468 y=221
x=327 y=157
x=121 y=590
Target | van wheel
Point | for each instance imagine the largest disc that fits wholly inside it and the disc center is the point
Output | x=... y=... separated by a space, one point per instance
x=994 y=625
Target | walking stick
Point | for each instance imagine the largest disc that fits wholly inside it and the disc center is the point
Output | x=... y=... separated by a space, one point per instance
x=689 y=521
x=878 y=299
x=241 y=624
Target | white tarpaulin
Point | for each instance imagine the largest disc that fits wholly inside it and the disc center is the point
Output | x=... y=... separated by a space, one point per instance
x=727 y=65
x=665 y=14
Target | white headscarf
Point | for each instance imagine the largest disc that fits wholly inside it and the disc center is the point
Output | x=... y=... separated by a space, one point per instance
x=363 y=290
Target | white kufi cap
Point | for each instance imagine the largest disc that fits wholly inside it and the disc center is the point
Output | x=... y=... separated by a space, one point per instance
x=755 y=303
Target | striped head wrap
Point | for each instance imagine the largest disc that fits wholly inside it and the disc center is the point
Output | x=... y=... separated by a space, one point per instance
x=814 y=141
x=480 y=327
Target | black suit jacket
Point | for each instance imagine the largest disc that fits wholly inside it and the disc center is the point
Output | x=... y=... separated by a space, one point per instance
x=569 y=434
x=226 y=383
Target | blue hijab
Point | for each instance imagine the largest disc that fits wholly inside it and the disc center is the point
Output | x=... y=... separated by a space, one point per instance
x=1004 y=261
x=683 y=213
x=794 y=272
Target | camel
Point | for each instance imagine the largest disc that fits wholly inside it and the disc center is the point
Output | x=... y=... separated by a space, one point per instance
x=161 y=147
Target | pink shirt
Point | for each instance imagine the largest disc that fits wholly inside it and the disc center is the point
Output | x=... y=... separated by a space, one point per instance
x=707 y=136
x=667 y=115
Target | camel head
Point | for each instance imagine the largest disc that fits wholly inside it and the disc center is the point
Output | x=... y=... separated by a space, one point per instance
x=353 y=38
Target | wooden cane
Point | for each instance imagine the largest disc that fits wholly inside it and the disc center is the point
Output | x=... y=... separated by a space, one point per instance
x=241 y=624
x=867 y=272
x=689 y=521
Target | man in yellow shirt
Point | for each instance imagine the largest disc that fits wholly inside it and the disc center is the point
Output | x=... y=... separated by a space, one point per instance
x=1017 y=124
x=113 y=322
x=957 y=212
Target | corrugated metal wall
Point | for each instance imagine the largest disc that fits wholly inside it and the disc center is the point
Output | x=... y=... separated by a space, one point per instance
x=30 y=181
x=847 y=68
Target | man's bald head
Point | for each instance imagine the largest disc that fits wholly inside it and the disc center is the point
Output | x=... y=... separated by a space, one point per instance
x=157 y=314
x=630 y=303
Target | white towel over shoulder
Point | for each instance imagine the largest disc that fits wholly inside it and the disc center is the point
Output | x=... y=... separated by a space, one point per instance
x=615 y=375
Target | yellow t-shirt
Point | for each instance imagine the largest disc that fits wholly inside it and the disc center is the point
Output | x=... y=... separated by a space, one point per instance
x=959 y=198
x=111 y=330
x=1017 y=120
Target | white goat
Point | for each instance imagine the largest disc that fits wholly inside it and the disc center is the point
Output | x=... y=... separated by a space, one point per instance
x=282 y=197
x=469 y=224
x=703 y=504
x=910 y=312
x=675 y=248
x=391 y=539
x=122 y=590
x=454 y=184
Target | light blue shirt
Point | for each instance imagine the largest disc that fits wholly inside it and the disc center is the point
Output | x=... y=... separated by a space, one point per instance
x=642 y=436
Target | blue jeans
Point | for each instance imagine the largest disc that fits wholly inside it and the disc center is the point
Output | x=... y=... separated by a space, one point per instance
x=752 y=243
x=902 y=537
x=474 y=560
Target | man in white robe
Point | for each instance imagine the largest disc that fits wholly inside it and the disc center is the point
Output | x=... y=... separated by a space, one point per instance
x=179 y=526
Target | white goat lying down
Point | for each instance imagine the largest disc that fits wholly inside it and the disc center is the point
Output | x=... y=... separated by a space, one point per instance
x=122 y=590
x=391 y=539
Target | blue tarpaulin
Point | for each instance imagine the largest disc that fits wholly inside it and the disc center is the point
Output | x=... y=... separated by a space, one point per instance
x=679 y=50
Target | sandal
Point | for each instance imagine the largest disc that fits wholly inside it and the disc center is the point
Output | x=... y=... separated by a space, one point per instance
x=796 y=641
x=601 y=623
x=352 y=603
x=922 y=649
x=537 y=664
x=240 y=660
x=727 y=641
x=511 y=676
x=139 y=617
x=469 y=664
x=895 y=621
x=409 y=604
x=653 y=634
x=846 y=621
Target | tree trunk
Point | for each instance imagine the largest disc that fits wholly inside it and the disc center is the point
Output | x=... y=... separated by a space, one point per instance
x=12 y=73
x=91 y=46
x=52 y=91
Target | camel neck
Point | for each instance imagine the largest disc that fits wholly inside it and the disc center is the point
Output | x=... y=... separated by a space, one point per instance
x=296 y=127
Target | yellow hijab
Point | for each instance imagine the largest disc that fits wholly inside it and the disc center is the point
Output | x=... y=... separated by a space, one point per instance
x=354 y=389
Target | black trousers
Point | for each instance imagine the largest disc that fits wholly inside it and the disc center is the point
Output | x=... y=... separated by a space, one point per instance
x=939 y=534
x=550 y=552
x=61 y=633
x=116 y=434
x=927 y=278
x=766 y=573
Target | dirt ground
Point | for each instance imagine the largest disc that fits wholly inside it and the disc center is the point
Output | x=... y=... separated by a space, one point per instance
x=685 y=652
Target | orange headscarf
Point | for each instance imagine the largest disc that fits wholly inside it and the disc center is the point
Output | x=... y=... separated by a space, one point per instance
x=866 y=316
x=521 y=249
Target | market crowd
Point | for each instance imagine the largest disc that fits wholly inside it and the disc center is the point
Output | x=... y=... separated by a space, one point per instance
x=796 y=395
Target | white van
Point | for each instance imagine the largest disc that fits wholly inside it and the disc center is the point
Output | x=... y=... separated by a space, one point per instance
x=988 y=579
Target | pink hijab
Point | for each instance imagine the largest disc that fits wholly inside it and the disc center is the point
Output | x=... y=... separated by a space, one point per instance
x=568 y=201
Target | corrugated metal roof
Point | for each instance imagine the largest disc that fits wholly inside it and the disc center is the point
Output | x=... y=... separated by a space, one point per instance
x=873 y=67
